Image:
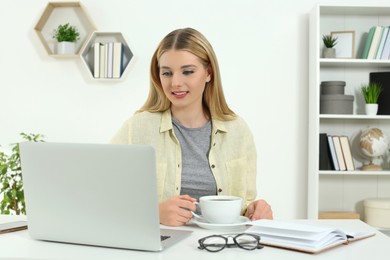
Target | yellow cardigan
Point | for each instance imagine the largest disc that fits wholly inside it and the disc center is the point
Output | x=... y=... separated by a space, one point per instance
x=232 y=155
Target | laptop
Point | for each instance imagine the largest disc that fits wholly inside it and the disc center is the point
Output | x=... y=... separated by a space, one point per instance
x=94 y=194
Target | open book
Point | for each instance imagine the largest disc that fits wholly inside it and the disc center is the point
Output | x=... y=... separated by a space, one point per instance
x=302 y=237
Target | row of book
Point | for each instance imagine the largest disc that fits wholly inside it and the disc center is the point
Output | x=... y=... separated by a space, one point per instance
x=107 y=60
x=377 y=45
x=335 y=153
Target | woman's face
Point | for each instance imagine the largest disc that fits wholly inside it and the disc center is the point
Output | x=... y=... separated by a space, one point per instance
x=183 y=78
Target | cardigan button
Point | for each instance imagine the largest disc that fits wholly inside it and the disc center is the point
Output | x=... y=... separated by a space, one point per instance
x=213 y=166
x=219 y=190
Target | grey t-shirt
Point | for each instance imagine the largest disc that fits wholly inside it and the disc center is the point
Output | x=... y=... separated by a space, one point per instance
x=197 y=180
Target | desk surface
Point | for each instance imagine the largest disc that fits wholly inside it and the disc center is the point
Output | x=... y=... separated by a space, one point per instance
x=19 y=245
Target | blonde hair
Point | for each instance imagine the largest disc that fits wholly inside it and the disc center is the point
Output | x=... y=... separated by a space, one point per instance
x=190 y=40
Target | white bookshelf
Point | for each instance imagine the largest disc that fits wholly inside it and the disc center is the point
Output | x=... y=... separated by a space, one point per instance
x=335 y=190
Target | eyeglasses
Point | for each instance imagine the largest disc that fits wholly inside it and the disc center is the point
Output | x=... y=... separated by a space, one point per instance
x=215 y=243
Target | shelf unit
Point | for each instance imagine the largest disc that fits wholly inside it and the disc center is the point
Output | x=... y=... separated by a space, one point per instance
x=57 y=13
x=336 y=190
x=87 y=54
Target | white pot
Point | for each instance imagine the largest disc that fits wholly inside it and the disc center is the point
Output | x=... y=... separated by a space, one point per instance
x=371 y=109
x=66 y=48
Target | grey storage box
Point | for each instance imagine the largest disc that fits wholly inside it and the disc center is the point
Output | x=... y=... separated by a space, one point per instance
x=332 y=87
x=336 y=104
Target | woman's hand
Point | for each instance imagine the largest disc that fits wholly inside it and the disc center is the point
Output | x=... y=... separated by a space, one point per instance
x=177 y=210
x=259 y=209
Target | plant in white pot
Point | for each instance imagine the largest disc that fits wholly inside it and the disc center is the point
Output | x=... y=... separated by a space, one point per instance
x=66 y=36
x=371 y=92
x=329 y=43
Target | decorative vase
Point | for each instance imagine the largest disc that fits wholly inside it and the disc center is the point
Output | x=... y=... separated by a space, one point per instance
x=329 y=53
x=371 y=109
x=66 y=48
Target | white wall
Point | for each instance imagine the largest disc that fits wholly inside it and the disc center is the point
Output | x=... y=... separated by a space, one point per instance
x=263 y=53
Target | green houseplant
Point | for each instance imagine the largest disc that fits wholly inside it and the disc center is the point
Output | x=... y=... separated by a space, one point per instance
x=66 y=36
x=329 y=43
x=371 y=92
x=11 y=189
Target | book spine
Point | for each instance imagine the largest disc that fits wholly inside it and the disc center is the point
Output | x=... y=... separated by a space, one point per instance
x=325 y=162
x=346 y=147
x=96 y=59
x=339 y=153
x=333 y=153
x=382 y=43
x=367 y=45
x=375 y=42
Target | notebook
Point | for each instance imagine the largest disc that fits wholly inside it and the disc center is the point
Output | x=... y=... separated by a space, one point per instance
x=94 y=194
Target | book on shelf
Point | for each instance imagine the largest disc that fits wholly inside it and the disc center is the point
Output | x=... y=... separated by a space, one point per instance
x=109 y=58
x=386 y=47
x=96 y=59
x=325 y=156
x=117 y=60
x=382 y=78
x=375 y=42
x=367 y=44
x=382 y=43
x=339 y=152
x=347 y=153
x=332 y=150
x=102 y=61
x=303 y=237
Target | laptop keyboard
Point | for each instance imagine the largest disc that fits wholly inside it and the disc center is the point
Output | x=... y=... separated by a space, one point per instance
x=164 y=237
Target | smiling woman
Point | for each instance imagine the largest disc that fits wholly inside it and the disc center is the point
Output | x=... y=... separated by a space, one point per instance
x=202 y=147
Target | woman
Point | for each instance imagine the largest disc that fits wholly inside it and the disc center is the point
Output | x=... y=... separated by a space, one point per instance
x=202 y=146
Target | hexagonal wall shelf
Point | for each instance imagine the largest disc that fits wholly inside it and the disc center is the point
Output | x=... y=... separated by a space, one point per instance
x=94 y=62
x=57 y=13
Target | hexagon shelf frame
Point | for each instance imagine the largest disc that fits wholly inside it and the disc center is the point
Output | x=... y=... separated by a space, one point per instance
x=57 y=13
x=88 y=57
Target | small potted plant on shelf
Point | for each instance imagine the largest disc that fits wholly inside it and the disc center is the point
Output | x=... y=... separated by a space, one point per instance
x=329 y=42
x=66 y=36
x=11 y=189
x=371 y=92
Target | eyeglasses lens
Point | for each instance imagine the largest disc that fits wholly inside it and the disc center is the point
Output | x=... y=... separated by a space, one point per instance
x=246 y=241
x=214 y=244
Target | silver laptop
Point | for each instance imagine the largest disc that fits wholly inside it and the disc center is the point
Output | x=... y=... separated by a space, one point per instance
x=94 y=194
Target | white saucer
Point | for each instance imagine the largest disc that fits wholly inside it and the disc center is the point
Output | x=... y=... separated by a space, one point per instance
x=241 y=222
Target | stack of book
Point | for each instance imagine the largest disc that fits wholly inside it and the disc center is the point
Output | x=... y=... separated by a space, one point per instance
x=377 y=44
x=107 y=60
x=335 y=153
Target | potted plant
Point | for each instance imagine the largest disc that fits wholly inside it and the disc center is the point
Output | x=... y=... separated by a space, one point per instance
x=11 y=189
x=329 y=43
x=66 y=36
x=371 y=92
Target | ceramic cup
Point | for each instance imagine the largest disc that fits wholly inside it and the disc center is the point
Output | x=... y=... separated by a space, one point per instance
x=219 y=209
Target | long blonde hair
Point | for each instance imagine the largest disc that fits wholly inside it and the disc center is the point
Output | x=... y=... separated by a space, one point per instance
x=190 y=40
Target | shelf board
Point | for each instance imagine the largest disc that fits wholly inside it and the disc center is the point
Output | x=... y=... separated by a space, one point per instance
x=361 y=10
x=334 y=116
x=356 y=173
x=353 y=62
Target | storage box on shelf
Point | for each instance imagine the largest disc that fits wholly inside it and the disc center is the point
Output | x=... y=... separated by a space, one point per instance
x=93 y=60
x=343 y=190
x=57 y=13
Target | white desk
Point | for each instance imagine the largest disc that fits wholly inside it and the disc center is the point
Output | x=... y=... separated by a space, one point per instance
x=19 y=245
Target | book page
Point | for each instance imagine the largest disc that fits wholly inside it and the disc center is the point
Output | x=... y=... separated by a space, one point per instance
x=307 y=238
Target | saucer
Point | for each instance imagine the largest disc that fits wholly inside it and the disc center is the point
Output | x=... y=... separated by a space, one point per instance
x=241 y=222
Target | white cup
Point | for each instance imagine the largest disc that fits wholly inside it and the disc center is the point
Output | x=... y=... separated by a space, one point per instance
x=219 y=209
